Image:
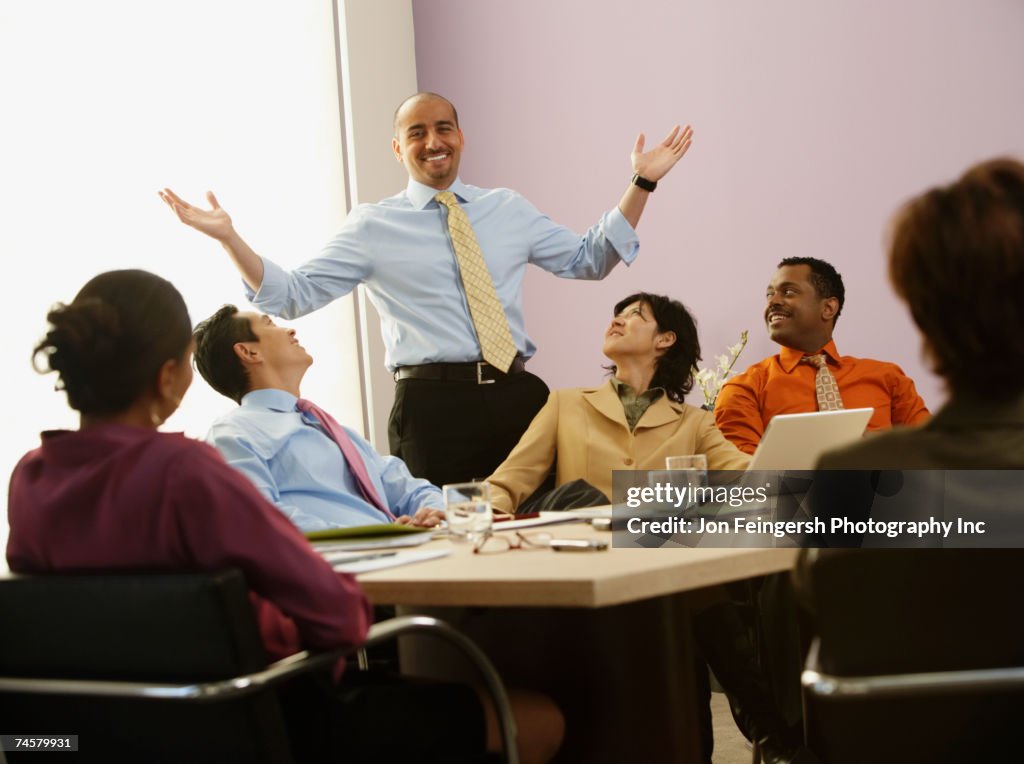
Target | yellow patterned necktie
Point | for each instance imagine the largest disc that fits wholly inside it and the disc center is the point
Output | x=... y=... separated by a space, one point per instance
x=825 y=385
x=489 y=320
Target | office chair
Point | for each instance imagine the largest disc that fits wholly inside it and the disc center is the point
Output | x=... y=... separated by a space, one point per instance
x=918 y=655
x=164 y=667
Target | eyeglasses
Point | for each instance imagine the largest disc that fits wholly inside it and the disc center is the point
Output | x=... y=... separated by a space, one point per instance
x=492 y=543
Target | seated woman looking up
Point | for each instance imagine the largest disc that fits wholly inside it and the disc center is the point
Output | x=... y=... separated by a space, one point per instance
x=632 y=421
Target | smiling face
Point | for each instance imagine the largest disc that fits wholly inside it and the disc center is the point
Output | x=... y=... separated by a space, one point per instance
x=276 y=347
x=795 y=315
x=634 y=333
x=428 y=141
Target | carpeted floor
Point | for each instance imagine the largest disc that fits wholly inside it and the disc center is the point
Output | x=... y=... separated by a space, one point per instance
x=730 y=745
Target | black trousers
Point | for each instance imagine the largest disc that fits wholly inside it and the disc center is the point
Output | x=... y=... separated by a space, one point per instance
x=451 y=432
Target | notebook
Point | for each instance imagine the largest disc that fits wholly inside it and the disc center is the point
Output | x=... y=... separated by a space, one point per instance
x=378 y=536
x=796 y=441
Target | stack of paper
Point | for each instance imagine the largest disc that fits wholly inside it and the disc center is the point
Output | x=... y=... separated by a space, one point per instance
x=364 y=562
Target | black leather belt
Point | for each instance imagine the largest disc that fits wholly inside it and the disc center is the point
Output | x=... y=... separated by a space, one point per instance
x=480 y=372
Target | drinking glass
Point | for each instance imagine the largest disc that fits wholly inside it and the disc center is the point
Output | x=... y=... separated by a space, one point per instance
x=688 y=471
x=467 y=508
x=689 y=462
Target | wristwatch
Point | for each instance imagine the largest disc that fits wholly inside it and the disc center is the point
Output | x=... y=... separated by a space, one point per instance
x=641 y=182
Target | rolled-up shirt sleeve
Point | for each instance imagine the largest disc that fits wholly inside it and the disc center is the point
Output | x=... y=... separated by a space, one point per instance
x=566 y=254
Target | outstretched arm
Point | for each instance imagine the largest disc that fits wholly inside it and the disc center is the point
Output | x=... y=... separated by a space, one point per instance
x=652 y=165
x=216 y=223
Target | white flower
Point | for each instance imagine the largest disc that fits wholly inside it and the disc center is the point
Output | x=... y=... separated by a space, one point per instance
x=704 y=377
x=711 y=380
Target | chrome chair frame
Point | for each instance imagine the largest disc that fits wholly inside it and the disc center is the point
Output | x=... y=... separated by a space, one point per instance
x=293 y=665
x=825 y=685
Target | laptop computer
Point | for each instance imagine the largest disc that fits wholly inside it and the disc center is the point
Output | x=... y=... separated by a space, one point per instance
x=796 y=441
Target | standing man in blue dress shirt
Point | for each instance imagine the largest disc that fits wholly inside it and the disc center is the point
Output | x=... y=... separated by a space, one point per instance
x=455 y=415
x=288 y=454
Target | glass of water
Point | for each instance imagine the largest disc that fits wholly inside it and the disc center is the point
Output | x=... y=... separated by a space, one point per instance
x=693 y=462
x=467 y=508
x=688 y=473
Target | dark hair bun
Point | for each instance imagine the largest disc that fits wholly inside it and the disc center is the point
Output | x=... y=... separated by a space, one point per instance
x=81 y=347
x=109 y=343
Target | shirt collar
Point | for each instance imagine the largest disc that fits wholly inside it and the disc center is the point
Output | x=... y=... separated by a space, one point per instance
x=624 y=389
x=790 y=357
x=420 y=195
x=275 y=400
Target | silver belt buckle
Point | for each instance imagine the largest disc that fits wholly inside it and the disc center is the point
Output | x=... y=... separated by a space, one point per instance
x=480 y=374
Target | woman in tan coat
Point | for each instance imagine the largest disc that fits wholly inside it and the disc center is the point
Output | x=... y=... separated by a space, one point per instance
x=633 y=421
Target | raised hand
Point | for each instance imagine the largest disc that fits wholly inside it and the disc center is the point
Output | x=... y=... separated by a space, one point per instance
x=656 y=163
x=213 y=222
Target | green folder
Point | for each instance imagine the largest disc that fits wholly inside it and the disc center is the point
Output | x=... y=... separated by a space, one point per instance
x=365 y=531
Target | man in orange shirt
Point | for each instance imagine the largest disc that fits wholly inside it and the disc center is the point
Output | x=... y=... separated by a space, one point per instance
x=805 y=297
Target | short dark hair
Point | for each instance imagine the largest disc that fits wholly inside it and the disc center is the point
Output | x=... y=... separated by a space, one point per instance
x=215 y=354
x=674 y=369
x=825 y=278
x=108 y=345
x=422 y=94
x=957 y=259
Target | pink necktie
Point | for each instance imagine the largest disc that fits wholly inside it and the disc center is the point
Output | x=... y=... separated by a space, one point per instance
x=348 y=450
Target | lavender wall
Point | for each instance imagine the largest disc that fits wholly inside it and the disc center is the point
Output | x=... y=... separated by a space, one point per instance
x=812 y=120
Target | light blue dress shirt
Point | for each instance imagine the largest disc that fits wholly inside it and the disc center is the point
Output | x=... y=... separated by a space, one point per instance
x=399 y=248
x=298 y=467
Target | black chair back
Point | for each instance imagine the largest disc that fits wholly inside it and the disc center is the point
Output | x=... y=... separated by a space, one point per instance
x=898 y=612
x=142 y=628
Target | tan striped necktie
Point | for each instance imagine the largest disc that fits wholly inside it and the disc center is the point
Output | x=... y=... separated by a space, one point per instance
x=825 y=385
x=489 y=320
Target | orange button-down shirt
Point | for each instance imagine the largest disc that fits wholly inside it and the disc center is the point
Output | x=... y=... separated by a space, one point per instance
x=781 y=384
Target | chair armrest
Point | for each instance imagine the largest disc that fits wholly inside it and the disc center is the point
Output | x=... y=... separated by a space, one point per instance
x=395 y=627
x=293 y=665
x=893 y=685
x=221 y=689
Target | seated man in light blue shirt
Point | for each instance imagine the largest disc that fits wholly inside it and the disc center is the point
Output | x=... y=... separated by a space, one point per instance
x=290 y=455
x=415 y=274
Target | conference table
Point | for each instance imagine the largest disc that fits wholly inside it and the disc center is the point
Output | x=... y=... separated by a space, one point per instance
x=605 y=633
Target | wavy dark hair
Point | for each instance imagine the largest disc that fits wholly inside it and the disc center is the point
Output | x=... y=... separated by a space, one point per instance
x=957 y=260
x=674 y=368
x=215 y=355
x=108 y=344
x=826 y=279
